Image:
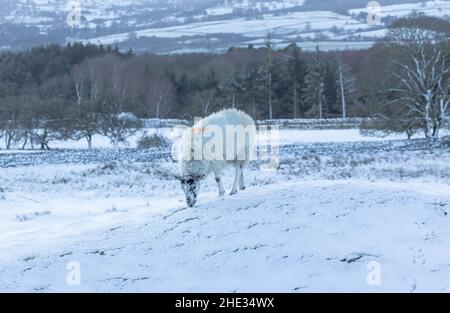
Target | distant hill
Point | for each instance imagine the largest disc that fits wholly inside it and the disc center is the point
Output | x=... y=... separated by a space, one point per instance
x=163 y=26
x=339 y=5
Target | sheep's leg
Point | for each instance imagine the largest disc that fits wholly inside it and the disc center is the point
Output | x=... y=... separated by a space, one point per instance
x=220 y=185
x=237 y=178
x=241 y=181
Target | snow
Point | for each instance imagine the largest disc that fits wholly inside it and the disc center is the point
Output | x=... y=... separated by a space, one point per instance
x=332 y=135
x=247 y=5
x=180 y=22
x=309 y=29
x=219 y=11
x=379 y=33
x=292 y=237
x=437 y=8
x=287 y=136
x=102 y=142
x=279 y=24
x=337 y=202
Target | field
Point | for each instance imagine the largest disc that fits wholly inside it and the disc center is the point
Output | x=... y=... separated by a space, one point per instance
x=204 y=25
x=338 y=204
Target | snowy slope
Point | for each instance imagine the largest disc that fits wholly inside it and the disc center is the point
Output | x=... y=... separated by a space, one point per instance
x=331 y=208
x=290 y=237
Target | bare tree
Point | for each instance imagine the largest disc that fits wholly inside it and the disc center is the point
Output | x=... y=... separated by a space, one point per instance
x=90 y=88
x=441 y=105
x=159 y=94
x=423 y=76
x=118 y=128
x=9 y=123
x=346 y=88
x=47 y=123
x=342 y=90
x=117 y=124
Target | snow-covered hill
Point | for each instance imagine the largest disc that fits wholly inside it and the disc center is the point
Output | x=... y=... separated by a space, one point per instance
x=334 y=210
x=285 y=237
x=201 y=25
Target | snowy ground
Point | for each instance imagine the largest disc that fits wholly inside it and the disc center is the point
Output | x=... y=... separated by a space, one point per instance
x=334 y=206
x=288 y=136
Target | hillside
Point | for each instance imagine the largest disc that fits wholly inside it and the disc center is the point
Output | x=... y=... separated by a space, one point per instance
x=202 y=25
x=332 y=212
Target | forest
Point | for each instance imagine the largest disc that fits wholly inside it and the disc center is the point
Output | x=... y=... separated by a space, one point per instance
x=78 y=91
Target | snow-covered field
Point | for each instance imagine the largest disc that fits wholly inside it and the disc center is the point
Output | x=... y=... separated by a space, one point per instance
x=185 y=26
x=286 y=22
x=281 y=23
x=438 y=8
x=287 y=136
x=338 y=203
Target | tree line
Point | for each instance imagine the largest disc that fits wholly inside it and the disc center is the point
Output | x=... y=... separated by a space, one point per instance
x=78 y=91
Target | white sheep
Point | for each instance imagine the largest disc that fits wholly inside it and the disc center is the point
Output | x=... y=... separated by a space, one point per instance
x=223 y=138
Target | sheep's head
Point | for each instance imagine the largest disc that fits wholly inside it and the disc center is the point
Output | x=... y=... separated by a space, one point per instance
x=190 y=186
x=189 y=183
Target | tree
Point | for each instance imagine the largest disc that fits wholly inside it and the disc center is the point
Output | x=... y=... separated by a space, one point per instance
x=269 y=73
x=373 y=83
x=250 y=85
x=206 y=98
x=346 y=88
x=424 y=74
x=90 y=87
x=331 y=106
x=9 y=121
x=315 y=87
x=159 y=95
x=117 y=124
x=118 y=128
x=296 y=70
x=46 y=123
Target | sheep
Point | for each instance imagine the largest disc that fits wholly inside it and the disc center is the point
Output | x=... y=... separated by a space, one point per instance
x=223 y=138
